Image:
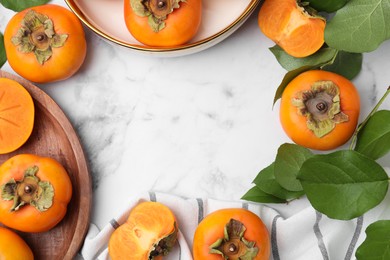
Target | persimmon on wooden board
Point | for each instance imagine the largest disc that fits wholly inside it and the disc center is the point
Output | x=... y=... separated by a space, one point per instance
x=16 y=115
x=13 y=247
x=149 y=233
x=35 y=192
x=53 y=136
x=45 y=43
x=291 y=27
x=320 y=109
x=163 y=23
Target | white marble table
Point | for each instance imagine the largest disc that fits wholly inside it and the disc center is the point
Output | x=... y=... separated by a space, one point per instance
x=196 y=126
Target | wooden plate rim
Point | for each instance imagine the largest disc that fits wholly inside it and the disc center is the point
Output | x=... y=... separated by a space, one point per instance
x=85 y=198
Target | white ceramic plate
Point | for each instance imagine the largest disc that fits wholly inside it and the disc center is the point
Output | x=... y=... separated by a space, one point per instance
x=220 y=18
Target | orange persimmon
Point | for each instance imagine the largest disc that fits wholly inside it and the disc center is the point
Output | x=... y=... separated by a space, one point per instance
x=16 y=115
x=231 y=233
x=163 y=23
x=13 y=247
x=291 y=27
x=149 y=233
x=45 y=43
x=35 y=192
x=320 y=109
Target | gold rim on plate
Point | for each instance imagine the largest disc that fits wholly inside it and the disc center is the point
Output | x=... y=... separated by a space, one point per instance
x=143 y=48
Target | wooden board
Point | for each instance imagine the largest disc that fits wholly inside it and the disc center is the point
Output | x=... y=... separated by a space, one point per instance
x=53 y=136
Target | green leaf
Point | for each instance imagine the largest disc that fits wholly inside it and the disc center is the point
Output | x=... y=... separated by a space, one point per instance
x=340 y=62
x=316 y=60
x=376 y=246
x=288 y=162
x=374 y=138
x=346 y=64
x=3 y=57
x=20 y=5
x=287 y=78
x=344 y=184
x=266 y=181
x=257 y=195
x=328 y=6
x=360 y=26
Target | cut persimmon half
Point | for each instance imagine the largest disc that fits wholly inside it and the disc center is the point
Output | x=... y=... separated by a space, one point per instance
x=16 y=115
x=149 y=233
x=292 y=27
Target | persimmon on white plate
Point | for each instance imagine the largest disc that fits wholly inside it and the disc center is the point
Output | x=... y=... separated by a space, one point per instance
x=220 y=18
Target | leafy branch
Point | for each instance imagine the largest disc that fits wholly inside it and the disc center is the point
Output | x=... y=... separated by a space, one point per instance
x=373 y=111
x=354 y=27
x=331 y=181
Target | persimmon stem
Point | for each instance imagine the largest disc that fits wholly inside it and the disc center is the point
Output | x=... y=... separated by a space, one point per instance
x=334 y=57
x=360 y=127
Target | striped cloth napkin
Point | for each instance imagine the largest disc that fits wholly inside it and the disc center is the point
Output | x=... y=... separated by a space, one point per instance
x=297 y=231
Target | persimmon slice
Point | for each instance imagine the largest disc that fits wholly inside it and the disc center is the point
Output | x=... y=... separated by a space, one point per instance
x=149 y=232
x=291 y=27
x=16 y=115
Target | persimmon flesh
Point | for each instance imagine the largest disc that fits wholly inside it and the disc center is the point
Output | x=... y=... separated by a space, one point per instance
x=16 y=115
x=291 y=27
x=149 y=232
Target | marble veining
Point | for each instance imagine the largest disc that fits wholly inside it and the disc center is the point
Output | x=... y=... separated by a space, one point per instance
x=201 y=125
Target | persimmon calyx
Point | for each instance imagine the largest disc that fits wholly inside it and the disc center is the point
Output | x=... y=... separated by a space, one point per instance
x=30 y=190
x=233 y=245
x=309 y=11
x=321 y=106
x=37 y=35
x=164 y=245
x=157 y=11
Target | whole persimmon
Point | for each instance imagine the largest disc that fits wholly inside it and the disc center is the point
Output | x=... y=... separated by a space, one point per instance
x=163 y=23
x=35 y=192
x=320 y=110
x=13 y=247
x=231 y=233
x=292 y=27
x=45 y=43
